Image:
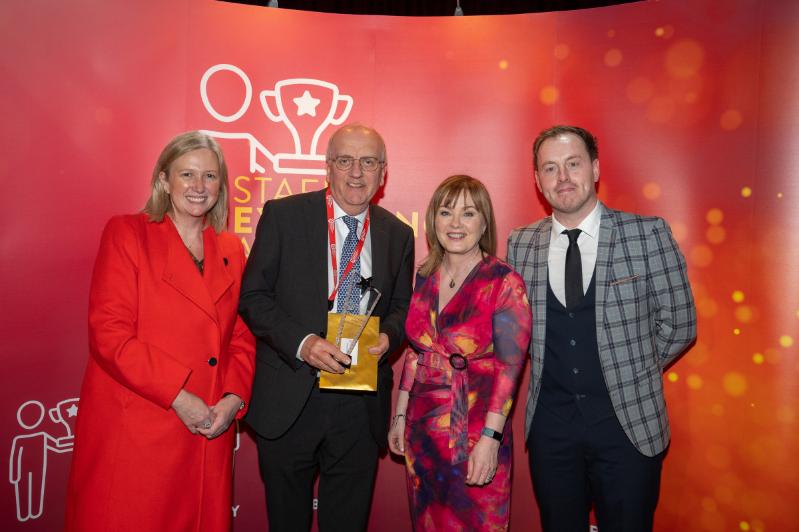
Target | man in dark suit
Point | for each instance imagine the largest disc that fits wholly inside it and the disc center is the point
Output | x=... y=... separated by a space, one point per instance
x=291 y=281
x=612 y=308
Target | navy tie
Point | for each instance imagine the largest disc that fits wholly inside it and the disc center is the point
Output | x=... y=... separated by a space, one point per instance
x=574 y=270
x=354 y=277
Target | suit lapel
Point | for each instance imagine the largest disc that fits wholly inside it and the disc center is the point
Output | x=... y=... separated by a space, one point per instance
x=607 y=236
x=380 y=250
x=216 y=276
x=540 y=280
x=314 y=217
x=181 y=273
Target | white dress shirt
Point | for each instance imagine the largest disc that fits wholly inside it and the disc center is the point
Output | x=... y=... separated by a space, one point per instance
x=366 y=253
x=588 y=241
x=365 y=258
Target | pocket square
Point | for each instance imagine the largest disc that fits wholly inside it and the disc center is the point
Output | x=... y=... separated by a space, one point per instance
x=625 y=279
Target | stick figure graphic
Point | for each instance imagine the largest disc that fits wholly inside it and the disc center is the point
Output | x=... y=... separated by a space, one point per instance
x=27 y=469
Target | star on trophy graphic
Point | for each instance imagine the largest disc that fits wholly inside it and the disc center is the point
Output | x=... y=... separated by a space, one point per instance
x=307 y=105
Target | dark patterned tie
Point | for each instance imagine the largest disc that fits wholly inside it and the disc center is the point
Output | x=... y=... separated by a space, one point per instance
x=343 y=304
x=574 y=270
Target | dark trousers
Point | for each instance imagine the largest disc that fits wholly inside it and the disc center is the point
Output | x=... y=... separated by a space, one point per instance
x=330 y=436
x=574 y=464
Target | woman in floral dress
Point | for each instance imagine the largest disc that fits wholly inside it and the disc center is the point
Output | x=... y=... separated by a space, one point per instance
x=468 y=327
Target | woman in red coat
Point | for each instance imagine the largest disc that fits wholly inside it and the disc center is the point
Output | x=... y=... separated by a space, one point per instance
x=171 y=362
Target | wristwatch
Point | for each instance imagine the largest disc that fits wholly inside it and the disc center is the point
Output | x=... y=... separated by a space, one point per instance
x=491 y=433
x=242 y=404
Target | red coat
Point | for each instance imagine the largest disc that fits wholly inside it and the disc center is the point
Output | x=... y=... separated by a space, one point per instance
x=155 y=326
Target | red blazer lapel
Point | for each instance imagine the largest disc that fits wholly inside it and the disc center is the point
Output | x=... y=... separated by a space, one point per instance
x=216 y=276
x=181 y=273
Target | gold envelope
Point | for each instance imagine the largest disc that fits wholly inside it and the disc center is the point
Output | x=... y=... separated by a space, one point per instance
x=362 y=375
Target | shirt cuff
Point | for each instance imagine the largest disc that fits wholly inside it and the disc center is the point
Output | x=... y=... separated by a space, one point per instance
x=299 y=349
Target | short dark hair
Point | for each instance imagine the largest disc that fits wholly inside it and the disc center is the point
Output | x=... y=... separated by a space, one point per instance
x=588 y=139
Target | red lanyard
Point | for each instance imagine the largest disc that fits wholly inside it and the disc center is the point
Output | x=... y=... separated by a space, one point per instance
x=331 y=236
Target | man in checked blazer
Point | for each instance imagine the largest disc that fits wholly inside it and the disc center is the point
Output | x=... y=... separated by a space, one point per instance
x=612 y=308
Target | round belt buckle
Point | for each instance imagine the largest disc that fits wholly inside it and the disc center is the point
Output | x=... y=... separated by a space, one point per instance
x=458 y=361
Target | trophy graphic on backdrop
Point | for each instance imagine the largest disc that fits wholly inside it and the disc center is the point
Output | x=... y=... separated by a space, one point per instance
x=305 y=106
x=317 y=106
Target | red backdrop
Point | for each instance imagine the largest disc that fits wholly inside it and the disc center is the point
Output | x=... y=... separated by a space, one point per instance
x=696 y=112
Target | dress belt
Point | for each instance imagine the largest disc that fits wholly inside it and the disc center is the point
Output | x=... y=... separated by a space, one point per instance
x=458 y=365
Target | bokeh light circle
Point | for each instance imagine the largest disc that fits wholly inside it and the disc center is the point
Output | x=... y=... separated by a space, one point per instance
x=744 y=314
x=639 y=90
x=734 y=383
x=701 y=256
x=679 y=231
x=613 y=57
x=549 y=95
x=707 y=307
x=714 y=216
x=731 y=119
x=684 y=58
x=651 y=191
x=561 y=51
x=715 y=234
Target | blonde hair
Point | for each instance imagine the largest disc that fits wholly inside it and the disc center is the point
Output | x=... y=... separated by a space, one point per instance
x=447 y=194
x=158 y=204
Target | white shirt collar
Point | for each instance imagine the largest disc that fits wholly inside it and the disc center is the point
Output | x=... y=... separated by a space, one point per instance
x=339 y=213
x=589 y=225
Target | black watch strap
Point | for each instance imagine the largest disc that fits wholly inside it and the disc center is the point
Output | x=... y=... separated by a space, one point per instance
x=491 y=433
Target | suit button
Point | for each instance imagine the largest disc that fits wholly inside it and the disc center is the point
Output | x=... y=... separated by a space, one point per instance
x=571 y=314
x=572 y=342
x=212 y=361
x=575 y=370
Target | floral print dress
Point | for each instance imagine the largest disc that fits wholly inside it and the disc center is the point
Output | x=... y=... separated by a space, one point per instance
x=487 y=322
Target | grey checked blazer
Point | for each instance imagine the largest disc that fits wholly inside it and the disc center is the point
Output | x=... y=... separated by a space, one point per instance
x=645 y=315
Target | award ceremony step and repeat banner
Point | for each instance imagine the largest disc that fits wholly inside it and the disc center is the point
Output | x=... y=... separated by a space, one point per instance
x=694 y=104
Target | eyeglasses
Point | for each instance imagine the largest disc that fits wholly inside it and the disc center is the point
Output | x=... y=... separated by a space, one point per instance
x=367 y=164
